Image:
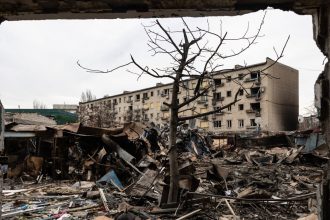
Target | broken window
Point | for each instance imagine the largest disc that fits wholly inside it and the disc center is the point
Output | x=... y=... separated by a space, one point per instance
x=253 y=122
x=255 y=75
x=218 y=82
x=228 y=93
x=130 y=107
x=240 y=76
x=137 y=97
x=217 y=96
x=228 y=123
x=130 y=98
x=241 y=107
x=151 y=93
x=165 y=92
x=241 y=123
x=145 y=95
x=241 y=92
x=255 y=92
x=255 y=106
x=217 y=124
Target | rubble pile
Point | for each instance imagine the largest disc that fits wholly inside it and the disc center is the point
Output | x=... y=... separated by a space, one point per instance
x=123 y=173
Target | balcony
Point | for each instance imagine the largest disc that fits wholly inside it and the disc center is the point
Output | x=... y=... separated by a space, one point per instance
x=201 y=101
x=205 y=118
x=164 y=94
x=219 y=85
x=165 y=118
x=252 y=79
x=145 y=108
x=137 y=100
x=218 y=99
x=250 y=111
x=164 y=108
x=251 y=127
x=145 y=98
x=129 y=101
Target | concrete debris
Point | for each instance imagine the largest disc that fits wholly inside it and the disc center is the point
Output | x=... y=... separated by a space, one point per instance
x=78 y=172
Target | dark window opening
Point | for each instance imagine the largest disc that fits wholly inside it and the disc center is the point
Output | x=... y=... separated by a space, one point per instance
x=255 y=91
x=241 y=92
x=255 y=75
x=255 y=106
x=253 y=122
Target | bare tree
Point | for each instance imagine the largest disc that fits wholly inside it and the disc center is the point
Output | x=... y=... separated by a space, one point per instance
x=38 y=105
x=87 y=96
x=195 y=54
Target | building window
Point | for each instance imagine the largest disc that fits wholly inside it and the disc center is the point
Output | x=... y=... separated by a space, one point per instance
x=119 y=109
x=217 y=124
x=241 y=107
x=137 y=97
x=228 y=123
x=228 y=78
x=151 y=93
x=255 y=75
x=228 y=93
x=151 y=115
x=241 y=123
x=145 y=95
x=119 y=118
x=124 y=99
x=203 y=98
x=241 y=92
x=229 y=108
x=253 y=122
x=158 y=92
x=240 y=76
x=217 y=82
x=217 y=96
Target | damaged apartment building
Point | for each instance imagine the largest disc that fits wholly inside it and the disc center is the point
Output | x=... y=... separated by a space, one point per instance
x=268 y=94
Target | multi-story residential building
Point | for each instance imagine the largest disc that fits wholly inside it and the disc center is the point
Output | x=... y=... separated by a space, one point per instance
x=267 y=93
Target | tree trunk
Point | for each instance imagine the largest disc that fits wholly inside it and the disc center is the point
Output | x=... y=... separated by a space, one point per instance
x=173 y=154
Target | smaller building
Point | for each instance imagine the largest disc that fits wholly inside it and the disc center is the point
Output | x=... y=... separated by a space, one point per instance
x=59 y=115
x=66 y=107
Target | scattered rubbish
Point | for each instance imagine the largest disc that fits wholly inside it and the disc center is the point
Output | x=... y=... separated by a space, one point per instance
x=79 y=172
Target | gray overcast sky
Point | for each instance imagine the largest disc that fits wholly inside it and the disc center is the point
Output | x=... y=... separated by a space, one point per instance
x=38 y=58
